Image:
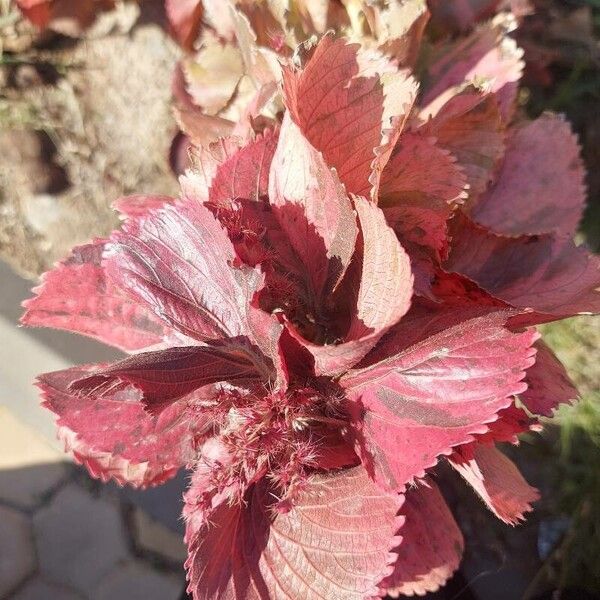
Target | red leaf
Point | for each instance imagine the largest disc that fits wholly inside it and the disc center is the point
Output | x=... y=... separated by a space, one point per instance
x=548 y=384
x=443 y=378
x=313 y=210
x=511 y=422
x=351 y=105
x=113 y=436
x=77 y=296
x=185 y=19
x=419 y=188
x=39 y=12
x=69 y=17
x=497 y=481
x=545 y=273
x=168 y=375
x=177 y=261
x=488 y=55
x=469 y=126
x=537 y=190
x=431 y=548
x=323 y=548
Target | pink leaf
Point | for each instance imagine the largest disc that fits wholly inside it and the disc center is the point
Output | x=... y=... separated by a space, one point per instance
x=213 y=74
x=548 y=384
x=167 y=375
x=386 y=281
x=400 y=27
x=442 y=377
x=177 y=261
x=419 y=188
x=313 y=210
x=537 y=190
x=431 y=548
x=244 y=174
x=196 y=183
x=185 y=19
x=77 y=296
x=113 y=436
x=497 y=481
x=545 y=273
x=351 y=105
x=487 y=55
x=139 y=205
x=469 y=126
x=323 y=548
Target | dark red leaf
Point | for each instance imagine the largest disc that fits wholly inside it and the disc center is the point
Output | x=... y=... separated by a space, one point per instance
x=487 y=55
x=431 y=548
x=245 y=174
x=548 y=383
x=546 y=273
x=168 y=375
x=537 y=190
x=382 y=297
x=470 y=127
x=420 y=186
x=496 y=480
x=313 y=210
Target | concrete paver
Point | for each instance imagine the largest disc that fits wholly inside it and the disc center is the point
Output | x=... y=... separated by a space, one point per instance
x=29 y=467
x=153 y=536
x=17 y=554
x=136 y=581
x=38 y=589
x=79 y=538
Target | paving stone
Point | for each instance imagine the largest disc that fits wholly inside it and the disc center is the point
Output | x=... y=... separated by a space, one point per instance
x=38 y=589
x=137 y=581
x=28 y=466
x=153 y=536
x=17 y=553
x=79 y=538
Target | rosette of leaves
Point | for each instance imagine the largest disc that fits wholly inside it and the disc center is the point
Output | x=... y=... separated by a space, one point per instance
x=231 y=67
x=342 y=296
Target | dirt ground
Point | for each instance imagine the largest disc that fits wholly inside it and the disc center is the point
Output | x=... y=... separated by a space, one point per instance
x=79 y=127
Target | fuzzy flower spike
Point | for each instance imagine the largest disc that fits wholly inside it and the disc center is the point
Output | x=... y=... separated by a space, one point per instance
x=319 y=319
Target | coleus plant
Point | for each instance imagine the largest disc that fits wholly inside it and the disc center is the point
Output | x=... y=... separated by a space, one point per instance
x=343 y=295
